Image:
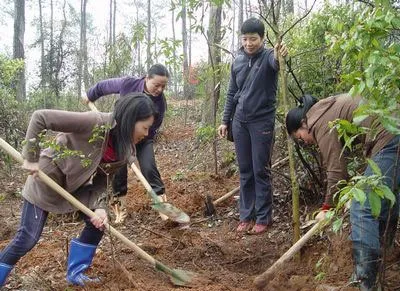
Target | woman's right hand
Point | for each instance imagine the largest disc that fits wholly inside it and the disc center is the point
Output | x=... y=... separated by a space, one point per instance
x=32 y=168
x=222 y=130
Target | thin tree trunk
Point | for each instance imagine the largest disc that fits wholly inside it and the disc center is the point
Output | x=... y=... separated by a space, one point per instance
x=114 y=21
x=84 y=48
x=110 y=23
x=51 y=52
x=18 y=46
x=139 y=68
x=60 y=56
x=81 y=48
x=175 y=76
x=233 y=43
x=43 y=77
x=240 y=22
x=185 y=54
x=148 y=57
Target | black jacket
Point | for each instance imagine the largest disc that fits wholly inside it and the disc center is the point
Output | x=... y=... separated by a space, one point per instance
x=258 y=99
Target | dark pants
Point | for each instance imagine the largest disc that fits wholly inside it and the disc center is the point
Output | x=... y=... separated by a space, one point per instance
x=33 y=220
x=253 y=145
x=148 y=167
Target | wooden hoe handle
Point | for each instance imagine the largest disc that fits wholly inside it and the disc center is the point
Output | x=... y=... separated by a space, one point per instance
x=262 y=280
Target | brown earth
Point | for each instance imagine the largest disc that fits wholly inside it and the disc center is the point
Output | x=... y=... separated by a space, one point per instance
x=210 y=247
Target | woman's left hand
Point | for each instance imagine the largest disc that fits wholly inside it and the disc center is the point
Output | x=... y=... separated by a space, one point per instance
x=280 y=49
x=100 y=219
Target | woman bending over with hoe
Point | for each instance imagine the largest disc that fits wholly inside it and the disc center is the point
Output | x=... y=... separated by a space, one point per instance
x=309 y=123
x=97 y=145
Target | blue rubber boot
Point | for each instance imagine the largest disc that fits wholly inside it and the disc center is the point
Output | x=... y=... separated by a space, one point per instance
x=4 y=271
x=79 y=260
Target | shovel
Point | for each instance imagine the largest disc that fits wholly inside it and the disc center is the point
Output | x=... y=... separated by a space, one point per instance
x=178 y=277
x=210 y=205
x=165 y=208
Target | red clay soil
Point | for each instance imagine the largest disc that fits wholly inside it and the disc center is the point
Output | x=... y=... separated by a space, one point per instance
x=209 y=247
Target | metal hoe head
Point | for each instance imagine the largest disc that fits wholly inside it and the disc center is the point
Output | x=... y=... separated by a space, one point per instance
x=173 y=213
x=183 y=278
x=209 y=206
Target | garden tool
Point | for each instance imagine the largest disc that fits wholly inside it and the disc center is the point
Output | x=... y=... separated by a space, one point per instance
x=262 y=280
x=178 y=277
x=163 y=198
x=210 y=205
x=165 y=208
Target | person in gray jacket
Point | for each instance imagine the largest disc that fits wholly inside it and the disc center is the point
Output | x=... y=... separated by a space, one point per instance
x=252 y=86
x=93 y=146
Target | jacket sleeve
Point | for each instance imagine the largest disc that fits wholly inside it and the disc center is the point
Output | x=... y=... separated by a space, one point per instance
x=105 y=87
x=273 y=63
x=335 y=163
x=55 y=120
x=232 y=90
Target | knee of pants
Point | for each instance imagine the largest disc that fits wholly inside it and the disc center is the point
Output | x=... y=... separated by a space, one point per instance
x=364 y=227
x=24 y=243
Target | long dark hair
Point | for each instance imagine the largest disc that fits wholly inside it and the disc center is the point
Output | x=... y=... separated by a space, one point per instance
x=128 y=110
x=296 y=116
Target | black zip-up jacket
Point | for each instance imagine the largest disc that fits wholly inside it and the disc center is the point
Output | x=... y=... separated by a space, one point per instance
x=258 y=99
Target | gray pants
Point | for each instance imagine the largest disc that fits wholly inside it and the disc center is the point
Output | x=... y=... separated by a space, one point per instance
x=148 y=166
x=253 y=145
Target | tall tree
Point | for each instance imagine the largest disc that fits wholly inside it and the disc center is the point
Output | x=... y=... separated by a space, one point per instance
x=214 y=59
x=138 y=37
x=185 y=50
x=52 y=48
x=82 y=54
x=174 y=51
x=148 y=56
x=43 y=78
x=18 y=45
x=114 y=21
x=240 y=21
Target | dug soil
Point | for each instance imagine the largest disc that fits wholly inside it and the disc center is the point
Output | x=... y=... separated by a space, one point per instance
x=219 y=258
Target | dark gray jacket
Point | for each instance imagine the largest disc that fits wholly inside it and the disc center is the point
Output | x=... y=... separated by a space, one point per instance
x=257 y=100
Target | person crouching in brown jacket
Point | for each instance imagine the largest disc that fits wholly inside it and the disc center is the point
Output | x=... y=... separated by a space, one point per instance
x=309 y=123
x=93 y=146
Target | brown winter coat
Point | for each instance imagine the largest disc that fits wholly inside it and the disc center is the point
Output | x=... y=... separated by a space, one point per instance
x=86 y=183
x=318 y=118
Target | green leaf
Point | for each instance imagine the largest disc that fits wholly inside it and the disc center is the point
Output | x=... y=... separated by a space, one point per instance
x=375 y=168
x=388 y=194
x=375 y=203
x=359 y=195
x=337 y=225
